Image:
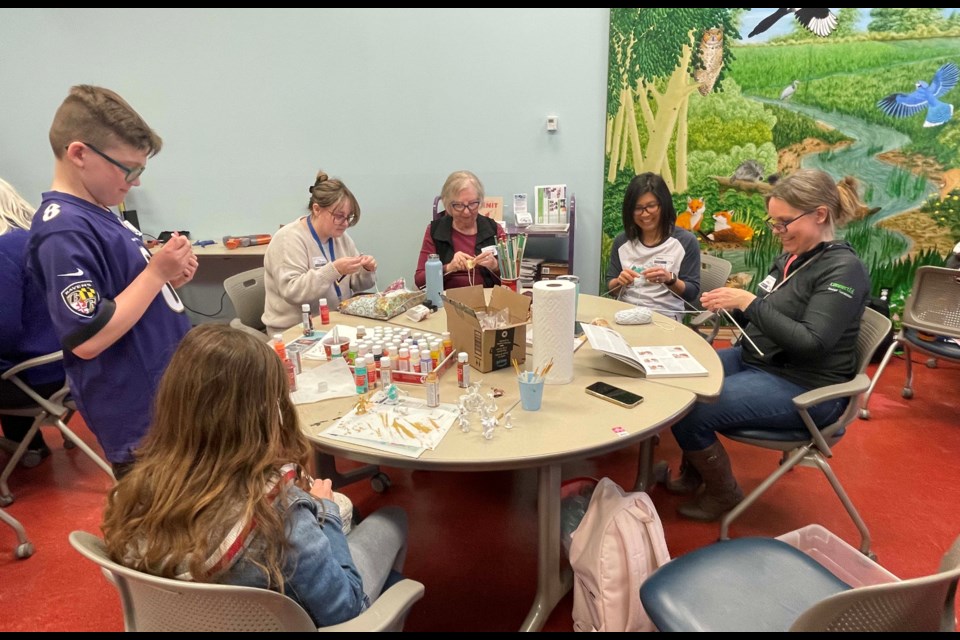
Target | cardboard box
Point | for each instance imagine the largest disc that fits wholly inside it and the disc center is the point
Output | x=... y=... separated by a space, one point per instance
x=489 y=349
x=550 y=270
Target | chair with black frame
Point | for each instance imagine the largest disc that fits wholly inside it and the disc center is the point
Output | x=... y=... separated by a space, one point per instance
x=930 y=325
x=151 y=603
x=764 y=584
x=54 y=411
x=714 y=272
x=812 y=446
x=248 y=295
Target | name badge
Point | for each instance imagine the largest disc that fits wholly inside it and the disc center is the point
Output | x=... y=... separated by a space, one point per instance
x=767 y=284
x=319 y=261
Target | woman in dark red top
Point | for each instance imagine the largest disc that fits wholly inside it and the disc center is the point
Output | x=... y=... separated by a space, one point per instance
x=460 y=235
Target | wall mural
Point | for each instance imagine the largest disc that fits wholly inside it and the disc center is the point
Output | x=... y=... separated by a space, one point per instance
x=722 y=101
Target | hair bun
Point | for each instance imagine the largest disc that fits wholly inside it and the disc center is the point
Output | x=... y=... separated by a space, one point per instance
x=321 y=177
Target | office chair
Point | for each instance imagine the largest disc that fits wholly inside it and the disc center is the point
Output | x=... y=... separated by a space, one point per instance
x=151 y=603
x=714 y=272
x=812 y=446
x=24 y=548
x=763 y=584
x=932 y=308
x=437 y=211
x=54 y=411
x=248 y=295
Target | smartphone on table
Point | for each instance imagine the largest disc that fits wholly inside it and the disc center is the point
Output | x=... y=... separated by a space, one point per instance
x=616 y=395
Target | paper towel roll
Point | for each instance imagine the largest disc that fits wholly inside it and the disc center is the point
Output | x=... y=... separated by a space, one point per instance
x=554 y=304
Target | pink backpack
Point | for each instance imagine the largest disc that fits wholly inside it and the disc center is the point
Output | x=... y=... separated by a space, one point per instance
x=618 y=544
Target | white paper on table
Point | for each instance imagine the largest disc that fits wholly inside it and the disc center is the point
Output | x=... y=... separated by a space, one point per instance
x=375 y=428
x=316 y=352
x=336 y=373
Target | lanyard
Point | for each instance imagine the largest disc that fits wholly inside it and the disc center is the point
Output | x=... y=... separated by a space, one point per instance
x=329 y=258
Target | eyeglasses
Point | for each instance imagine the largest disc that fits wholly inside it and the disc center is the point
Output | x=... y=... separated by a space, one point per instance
x=653 y=207
x=781 y=227
x=132 y=173
x=460 y=207
x=348 y=219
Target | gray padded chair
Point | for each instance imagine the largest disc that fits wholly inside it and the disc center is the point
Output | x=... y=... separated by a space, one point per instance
x=768 y=585
x=248 y=295
x=933 y=307
x=812 y=446
x=714 y=272
x=151 y=603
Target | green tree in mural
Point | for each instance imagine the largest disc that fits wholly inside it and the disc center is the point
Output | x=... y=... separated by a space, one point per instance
x=901 y=20
x=658 y=58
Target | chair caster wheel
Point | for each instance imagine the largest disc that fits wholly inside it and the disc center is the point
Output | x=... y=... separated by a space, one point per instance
x=907 y=393
x=24 y=550
x=380 y=482
x=932 y=363
x=864 y=414
x=6 y=501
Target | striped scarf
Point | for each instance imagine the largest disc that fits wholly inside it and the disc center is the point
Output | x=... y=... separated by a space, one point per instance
x=241 y=534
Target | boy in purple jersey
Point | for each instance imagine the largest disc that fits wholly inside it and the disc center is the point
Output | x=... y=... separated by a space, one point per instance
x=114 y=307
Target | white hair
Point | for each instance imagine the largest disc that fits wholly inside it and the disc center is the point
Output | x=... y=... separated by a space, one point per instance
x=15 y=212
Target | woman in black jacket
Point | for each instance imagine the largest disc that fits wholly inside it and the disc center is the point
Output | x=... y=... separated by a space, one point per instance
x=802 y=326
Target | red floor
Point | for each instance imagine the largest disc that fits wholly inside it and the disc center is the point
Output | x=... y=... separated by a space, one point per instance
x=473 y=535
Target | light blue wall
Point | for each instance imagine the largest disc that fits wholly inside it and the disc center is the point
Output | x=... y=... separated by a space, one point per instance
x=250 y=103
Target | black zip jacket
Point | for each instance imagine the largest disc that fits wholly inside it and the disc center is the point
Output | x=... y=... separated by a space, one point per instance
x=807 y=326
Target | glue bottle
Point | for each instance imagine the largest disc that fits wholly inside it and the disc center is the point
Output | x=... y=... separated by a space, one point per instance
x=279 y=347
x=306 y=319
x=324 y=312
x=463 y=370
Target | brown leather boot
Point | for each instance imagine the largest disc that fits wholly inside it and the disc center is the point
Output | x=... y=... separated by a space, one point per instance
x=687 y=482
x=721 y=491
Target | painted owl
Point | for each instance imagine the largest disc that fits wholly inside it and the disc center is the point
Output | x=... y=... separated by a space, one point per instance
x=711 y=59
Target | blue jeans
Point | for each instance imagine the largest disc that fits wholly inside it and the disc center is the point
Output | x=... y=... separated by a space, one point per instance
x=751 y=397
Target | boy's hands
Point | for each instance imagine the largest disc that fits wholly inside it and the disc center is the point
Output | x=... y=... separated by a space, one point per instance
x=175 y=262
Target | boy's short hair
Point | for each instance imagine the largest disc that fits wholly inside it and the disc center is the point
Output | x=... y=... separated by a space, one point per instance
x=102 y=118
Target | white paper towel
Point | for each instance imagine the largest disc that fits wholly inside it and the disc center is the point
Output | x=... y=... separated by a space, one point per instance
x=554 y=304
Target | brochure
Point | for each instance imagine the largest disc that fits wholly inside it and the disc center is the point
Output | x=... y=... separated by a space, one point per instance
x=672 y=361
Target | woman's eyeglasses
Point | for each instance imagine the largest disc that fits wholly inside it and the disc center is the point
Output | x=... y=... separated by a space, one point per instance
x=132 y=173
x=460 y=207
x=781 y=227
x=653 y=207
x=349 y=219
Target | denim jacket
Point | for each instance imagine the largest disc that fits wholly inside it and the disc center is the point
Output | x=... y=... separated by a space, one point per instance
x=318 y=570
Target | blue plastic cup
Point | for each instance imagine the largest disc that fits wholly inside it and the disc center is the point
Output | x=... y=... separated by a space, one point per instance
x=531 y=394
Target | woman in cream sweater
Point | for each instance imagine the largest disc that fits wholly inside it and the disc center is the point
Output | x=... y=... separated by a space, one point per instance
x=313 y=258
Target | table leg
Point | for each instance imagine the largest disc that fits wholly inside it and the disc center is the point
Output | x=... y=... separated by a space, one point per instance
x=552 y=582
x=645 y=479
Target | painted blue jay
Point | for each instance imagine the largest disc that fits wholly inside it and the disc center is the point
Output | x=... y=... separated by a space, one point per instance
x=901 y=105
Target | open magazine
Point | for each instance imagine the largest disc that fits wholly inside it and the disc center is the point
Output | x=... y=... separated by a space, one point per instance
x=654 y=362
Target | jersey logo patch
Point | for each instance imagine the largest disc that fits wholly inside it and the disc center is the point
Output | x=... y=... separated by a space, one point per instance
x=72 y=274
x=319 y=261
x=51 y=212
x=81 y=298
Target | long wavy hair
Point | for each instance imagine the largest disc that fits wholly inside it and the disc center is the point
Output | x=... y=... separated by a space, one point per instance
x=223 y=426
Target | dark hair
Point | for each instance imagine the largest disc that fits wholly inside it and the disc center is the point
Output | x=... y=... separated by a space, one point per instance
x=648 y=183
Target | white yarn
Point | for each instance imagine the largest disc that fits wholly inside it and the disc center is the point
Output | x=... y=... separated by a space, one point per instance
x=634 y=315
